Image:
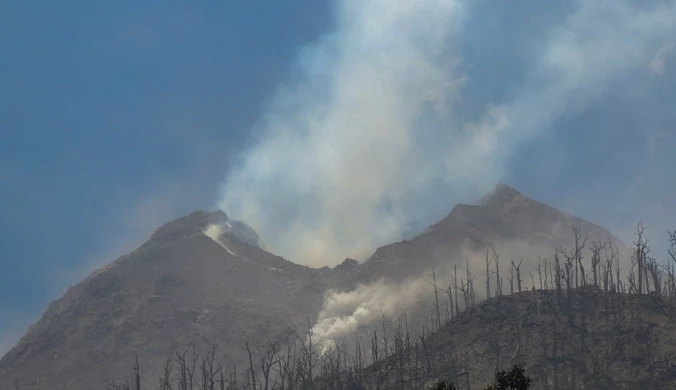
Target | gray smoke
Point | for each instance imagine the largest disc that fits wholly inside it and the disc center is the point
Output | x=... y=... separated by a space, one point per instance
x=366 y=137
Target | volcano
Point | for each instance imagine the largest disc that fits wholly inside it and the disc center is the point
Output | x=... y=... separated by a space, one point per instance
x=206 y=278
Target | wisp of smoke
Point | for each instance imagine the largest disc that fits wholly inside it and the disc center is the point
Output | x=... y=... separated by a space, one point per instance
x=365 y=137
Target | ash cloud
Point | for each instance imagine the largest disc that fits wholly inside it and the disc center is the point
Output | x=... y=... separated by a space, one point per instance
x=368 y=135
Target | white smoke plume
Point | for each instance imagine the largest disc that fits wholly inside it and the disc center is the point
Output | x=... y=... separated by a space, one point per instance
x=345 y=149
x=344 y=312
x=364 y=138
x=215 y=231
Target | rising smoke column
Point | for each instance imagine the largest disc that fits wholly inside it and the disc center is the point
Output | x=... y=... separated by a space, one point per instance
x=365 y=136
x=346 y=148
x=599 y=43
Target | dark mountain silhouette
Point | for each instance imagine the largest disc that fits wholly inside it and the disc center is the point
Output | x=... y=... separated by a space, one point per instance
x=204 y=277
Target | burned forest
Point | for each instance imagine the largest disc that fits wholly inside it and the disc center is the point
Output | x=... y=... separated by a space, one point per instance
x=571 y=322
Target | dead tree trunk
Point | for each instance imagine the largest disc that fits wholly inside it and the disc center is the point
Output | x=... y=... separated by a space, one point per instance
x=137 y=374
x=436 y=297
x=455 y=286
x=517 y=268
x=498 y=280
x=580 y=244
x=511 y=279
x=640 y=252
x=672 y=242
x=596 y=248
x=488 y=276
x=251 y=364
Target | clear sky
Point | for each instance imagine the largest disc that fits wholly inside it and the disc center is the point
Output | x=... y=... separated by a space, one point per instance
x=115 y=118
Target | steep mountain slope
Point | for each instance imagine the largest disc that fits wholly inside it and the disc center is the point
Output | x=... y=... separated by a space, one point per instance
x=179 y=288
x=205 y=277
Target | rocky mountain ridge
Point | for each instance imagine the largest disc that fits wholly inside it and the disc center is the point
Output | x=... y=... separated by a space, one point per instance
x=184 y=286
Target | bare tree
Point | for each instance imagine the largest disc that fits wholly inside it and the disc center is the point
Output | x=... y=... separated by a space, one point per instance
x=596 y=248
x=449 y=292
x=182 y=374
x=672 y=242
x=308 y=356
x=471 y=301
x=453 y=280
x=641 y=251
x=191 y=369
x=612 y=260
x=580 y=244
x=498 y=280
x=558 y=273
x=511 y=278
x=385 y=338
x=517 y=268
x=252 y=370
x=137 y=374
x=436 y=297
x=488 y=276
x=267 y=356
x=671 y=269
x=166 y=380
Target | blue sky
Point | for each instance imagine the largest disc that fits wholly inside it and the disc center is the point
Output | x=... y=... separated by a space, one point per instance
x=117 y=118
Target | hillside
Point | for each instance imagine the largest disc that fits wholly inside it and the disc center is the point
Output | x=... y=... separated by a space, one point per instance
x=517 y=226
x=598 y=340
x=191 y=284
x=178 y=289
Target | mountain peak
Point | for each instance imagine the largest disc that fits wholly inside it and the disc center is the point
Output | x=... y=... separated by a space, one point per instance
x=194 y=222
x=185 y=289
x=504 y=193
x=503 y=188
x=502 y=197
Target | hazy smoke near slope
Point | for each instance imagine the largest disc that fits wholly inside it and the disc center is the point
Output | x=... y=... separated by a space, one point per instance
x=344 y=312
x=365 y=137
